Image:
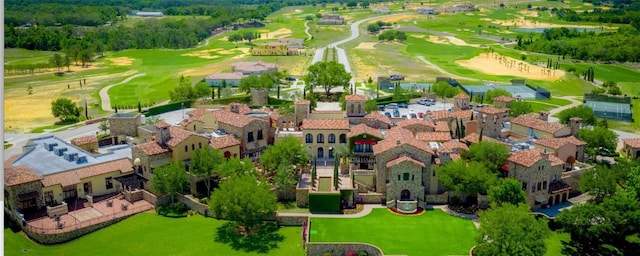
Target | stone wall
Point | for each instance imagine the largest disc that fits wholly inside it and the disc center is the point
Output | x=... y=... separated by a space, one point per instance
x=483 y=201
x=193 y=204
x=151 y=198
x=259 y=97
x=302 y=197
x=24 y=188
x=572 y=178
x=124 y=125
x=317 y=249
x=133 y=196
x=437 y=198
x=294 y=220
x=369 y=198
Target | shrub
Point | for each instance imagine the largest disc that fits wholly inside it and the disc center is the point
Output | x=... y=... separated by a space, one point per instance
x=363 y=253
x=204 y=200
x=327 y=254
x=175 y=210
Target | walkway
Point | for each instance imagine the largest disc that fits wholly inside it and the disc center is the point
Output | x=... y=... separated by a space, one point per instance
x=306 y=30
x=365 y=211
x=104 y=95
x=439 y=69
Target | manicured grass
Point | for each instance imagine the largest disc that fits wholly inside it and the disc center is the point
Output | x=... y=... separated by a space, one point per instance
x=150 y=234
x=290 y=206
x=17 y=56
x=537 y=106
x=324 y=184
x=554 y=243
x=433 y=233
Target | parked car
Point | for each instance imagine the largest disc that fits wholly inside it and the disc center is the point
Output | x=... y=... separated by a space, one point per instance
x=396 y=77
x=413 y=115
x=381 y=107
x=426 y=102
x=420 y=115
x=392 y=106
x=290 y=79
x=396 y=113
x=411 y=111
x=387 y=114
x=403 y=105
x=404 y=116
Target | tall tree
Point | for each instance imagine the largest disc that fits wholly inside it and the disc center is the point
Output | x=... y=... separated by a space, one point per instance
x=65 y=109
x=507 y=191
x=492 y=154
x=581 y=111
x=287 y=149
x=466 y=179
x=599 y=137
x=600 y=182
x=245 y=201
x=511 y=230
x=517 y=108
x=286 y=177
x=203 y=163
x=328 y=75
x=236 y=167
x=57 y=61
x=170 y=180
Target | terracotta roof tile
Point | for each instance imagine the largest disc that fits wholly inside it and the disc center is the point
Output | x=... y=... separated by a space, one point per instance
x=325 y=124
x=461 y=96
x=474 y=138
x=556 y=143
x=398 y=136
x=19 y=174
x=161 y=125
x=462 y=114
x=529 y=157
x=377 y=116
x=416 y=122
x=634 y=142
x=242 y=108
x=531 y=120
x=442 y=126
x=434 y=136
x=503 y=98
x=197 y=113
x=452 y=145
x=439 y=114
x=152 y=148
x=238 y=120
x=84 y=140
x=403 y=159
x=355 y=97
x=74 y=176
x=492 y=110
x=253 y=66
x=362 y=129
x=178 y=135
x=223 y=142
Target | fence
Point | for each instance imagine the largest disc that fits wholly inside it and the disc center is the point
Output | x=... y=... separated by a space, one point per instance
x=606 y=98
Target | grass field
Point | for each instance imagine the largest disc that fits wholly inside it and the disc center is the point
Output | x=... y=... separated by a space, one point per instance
x=554 y=243
x=433 y=233
x=151 y=234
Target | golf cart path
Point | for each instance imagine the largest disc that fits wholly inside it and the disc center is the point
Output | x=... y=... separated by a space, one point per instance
x=104 y=95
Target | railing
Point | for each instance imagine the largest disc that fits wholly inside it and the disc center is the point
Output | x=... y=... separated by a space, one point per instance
x=68 y=227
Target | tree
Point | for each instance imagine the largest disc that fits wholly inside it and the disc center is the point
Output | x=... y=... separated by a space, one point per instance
x=287 y=149
x=600 y=182
x=237 y=167
x=507 y=191
x=370 y=105
x=373 y=28
x=599 y=137
x=444 y=90
x=466 y=179
x=309 y=17
x=517 y=108
x=249 y=36
x=614 y=90
x=511 y=230
x=65 y=109
x=264 y=81
x=57 y=61
x=104 y=126
x=492 y=154
x=203 y=163
x=581 y=111
x=29 y=89
x=245 y=201
x=235 y=38
x=285 y=178
x=170 y=180
x=184 y=91
x=202 y=89
x=490 y=94
x=152 y=120
x=352 y=4
x=328 y=75
x=66 y=61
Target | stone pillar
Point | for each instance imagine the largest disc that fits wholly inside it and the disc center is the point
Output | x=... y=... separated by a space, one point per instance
x=259 y=97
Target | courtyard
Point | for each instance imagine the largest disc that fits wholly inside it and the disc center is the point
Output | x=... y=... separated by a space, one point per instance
x=432 y=233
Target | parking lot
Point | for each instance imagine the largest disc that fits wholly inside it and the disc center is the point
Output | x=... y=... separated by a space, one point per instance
x=417 y=108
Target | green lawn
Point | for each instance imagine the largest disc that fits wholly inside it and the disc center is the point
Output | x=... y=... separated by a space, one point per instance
x=324 y=184
x=554 y=243
x=150 y=234
x=433 y=233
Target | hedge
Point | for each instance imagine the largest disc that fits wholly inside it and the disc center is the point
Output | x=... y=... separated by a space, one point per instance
x=324 y=202
x=246 y=98
x=276 y=101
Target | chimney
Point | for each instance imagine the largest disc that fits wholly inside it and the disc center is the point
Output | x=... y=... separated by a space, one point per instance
x=398 y=142
x=544 y=154
x=543 y=115
x=235 y=108
x=162 y=134
x=576 y=122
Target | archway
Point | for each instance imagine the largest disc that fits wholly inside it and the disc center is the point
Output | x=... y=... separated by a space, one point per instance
x=320 y=152
x=550 y=203
x=405 y=195
x=564 y=197
x=557 y=199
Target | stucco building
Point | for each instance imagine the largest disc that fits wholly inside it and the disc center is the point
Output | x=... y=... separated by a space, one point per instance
x=224 y=79
x=631 y=147
x=489 y=121
x=125 y=124
x=254 y=67
x=322 y=135
x=569 y=149
x=538 y=126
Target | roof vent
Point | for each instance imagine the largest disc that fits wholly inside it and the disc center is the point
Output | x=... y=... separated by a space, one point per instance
x=59 y=151
x=71 y=157
x=50 y=146
x=81 y=159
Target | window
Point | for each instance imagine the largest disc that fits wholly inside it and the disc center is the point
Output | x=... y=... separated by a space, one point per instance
x=186 y=148
x=359 y=108
x=413 y=177
x=48 y=197
x=524 y=186
x=539 y=186
x=260 y=136
x=250 y=137
x=544 y=184
x=343 y=138
x=332 y=138
x=351 y=108
x=193 y=146
x=199 y=144
x=433 y=173
x=405 y=176
x=320 y=138
x=108 y=181
x=309 y=138
x=368 y=148
x=398 y=177
x=358 y=148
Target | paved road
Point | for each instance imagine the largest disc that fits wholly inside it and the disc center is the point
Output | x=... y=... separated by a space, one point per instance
x=104 y=96
x=439 y=69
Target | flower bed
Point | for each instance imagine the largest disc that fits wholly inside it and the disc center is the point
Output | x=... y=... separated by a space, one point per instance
x=395 y=211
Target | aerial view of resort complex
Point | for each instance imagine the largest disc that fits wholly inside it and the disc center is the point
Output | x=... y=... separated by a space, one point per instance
x=321 y=127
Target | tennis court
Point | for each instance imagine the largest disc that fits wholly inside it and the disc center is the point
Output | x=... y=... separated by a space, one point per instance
x=611 y=110
x=517 y=91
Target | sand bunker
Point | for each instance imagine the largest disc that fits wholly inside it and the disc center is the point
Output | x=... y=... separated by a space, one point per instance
x=204 y=54
x=457 y=41
x=122 y=61
x=233 y=51
x=280 y=33
x=401 y=18
x=366 y=46
x=495 y=64
x=529 y=13
x=437 y=40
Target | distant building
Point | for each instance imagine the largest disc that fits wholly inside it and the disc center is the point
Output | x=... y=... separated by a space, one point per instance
x=631 y=148
x=254 y=67
x=331 y=19
x=427 y=10
x=383 y=10
x=149 y=14
x=230 y=79
x=281 y=48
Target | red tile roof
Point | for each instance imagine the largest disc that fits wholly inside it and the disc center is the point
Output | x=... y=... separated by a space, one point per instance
x=492 y=110
x=461 y=96
x=74 y=176
x=403 y=159
x=439 y=114
x=376 y=115
x=84 y=140
x=416 y=122
x=162 y=125
x=474 y=138
x=503 y=98
x=434 y=136
x=531 y=120
x=462 y=114
x=355 y=97
x=398 y=136
x=178 y=135
x=197 y=113
x=325 y=124
x=223 y=142
x=454 y=144
x=634 y=142
x=238 y=120
x=529 y=157
x=362 y=129
x=442 y=126
x=152 y=148
x=242 y=108
x=556 y=143
x=19 y=174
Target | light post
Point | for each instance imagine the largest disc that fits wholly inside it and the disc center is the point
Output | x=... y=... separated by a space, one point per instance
x=182 y=109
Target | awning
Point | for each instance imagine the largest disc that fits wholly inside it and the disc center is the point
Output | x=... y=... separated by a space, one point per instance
x=364 y=141
x=28 y=196
x=541 y=198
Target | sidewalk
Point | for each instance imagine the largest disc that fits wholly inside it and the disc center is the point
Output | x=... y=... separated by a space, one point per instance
x=367 y=209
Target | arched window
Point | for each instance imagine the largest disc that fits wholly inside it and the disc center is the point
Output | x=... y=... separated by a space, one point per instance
x=309 y=138
x=320 y=138
x=343 y=138
x=359 y=108
x=320 y=152
x=199 y=144
x=352 y=108
x=330 y=152
x=332 y=138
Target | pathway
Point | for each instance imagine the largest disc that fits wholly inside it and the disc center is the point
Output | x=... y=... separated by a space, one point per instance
x=554 y=111
x=306 y=30
x=104 y=95
x=439 y=69
x=367 y=208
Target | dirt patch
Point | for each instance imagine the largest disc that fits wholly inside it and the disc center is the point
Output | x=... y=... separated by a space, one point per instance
x=401 y=18
x=280 y=33
x=529 y=13
x=122 y=61
x=204 y=54
x=522 y=23
x=297 y=10
x=504 y=31
x=233 y=51
x=366 y=46
x=437 y=40
x=495 y=64
x=226 y=38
